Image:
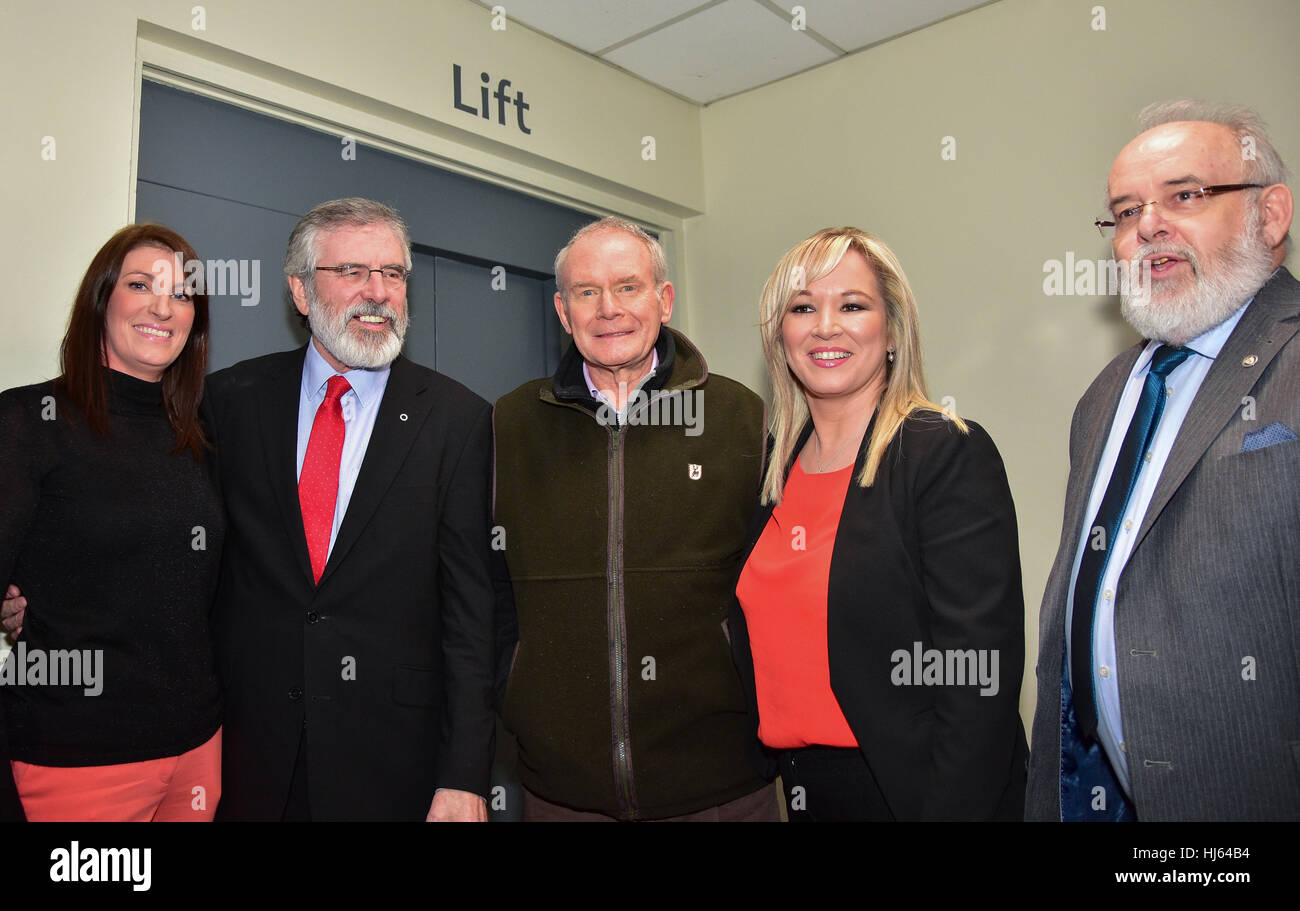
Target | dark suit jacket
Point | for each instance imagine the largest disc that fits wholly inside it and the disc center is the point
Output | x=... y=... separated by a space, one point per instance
x=927 y=554
x=1208 y=629
x=389 y=661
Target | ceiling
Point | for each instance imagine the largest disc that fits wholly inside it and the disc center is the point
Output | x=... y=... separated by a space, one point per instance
x=705 y=50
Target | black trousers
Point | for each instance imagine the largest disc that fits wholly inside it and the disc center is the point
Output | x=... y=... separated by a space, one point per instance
x=296 y=808
x=830 y=784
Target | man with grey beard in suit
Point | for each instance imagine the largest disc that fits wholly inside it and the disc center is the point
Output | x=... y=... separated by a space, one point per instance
x=1168 y=685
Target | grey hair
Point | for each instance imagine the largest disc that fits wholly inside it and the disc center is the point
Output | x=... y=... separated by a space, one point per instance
x=1265 y=167
x=353 y=212
x=658 y=261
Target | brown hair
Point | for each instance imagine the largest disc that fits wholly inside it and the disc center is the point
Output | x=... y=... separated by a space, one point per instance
x=81 y=356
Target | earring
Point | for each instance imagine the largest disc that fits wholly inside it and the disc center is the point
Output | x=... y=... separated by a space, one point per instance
x=890 y=355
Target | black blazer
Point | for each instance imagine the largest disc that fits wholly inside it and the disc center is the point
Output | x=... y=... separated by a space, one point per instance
x=389 y=662
x=928 y=554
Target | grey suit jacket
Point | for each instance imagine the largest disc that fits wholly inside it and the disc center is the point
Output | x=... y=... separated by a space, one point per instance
x=1208 y=630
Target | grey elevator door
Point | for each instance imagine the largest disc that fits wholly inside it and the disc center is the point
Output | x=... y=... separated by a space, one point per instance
x=491 y=326
x=234 y=183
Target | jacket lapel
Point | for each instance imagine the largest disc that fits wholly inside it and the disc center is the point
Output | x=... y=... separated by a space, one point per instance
x=402 y=412
x=278 y=413
x=1267 y=325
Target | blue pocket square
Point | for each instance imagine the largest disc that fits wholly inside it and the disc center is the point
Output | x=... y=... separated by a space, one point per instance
x=1274 y=433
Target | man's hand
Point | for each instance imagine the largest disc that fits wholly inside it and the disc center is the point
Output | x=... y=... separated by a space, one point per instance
x=12 y=611
x=457 y=806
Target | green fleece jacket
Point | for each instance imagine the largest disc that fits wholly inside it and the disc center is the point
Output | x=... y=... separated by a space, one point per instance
x=623 y=537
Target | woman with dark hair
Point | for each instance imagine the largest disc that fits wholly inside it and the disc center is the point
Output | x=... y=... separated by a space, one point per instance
x=111 y=528
x=880 y=629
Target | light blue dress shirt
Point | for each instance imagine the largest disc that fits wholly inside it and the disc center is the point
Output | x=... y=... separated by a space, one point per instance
x=600 y=396
x=1180 y=390
x=360 y=406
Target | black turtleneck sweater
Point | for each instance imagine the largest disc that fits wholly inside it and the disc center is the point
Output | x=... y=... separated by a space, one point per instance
x=115 y=541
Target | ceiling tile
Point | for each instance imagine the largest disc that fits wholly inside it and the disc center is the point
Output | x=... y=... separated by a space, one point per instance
x=593 y=25
x=722 y=50
x=854 y=24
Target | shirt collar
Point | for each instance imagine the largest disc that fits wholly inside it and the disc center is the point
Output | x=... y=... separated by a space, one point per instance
x=596 y=393
x=316 y=372
x=1208 y=344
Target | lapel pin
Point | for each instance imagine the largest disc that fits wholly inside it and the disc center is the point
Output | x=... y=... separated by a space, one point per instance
x=1249 y=360
x=402 y=416
x=694 y=471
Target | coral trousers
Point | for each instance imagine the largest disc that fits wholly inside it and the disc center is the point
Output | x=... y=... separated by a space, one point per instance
x=184 y=788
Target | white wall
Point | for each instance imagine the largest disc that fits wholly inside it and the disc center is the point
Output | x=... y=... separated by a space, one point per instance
x=1039 y=104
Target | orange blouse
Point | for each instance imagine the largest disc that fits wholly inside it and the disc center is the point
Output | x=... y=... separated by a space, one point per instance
x=782 y=590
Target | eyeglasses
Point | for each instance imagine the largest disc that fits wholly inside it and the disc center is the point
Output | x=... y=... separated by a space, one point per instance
x=355 y=275
x=1178 y=204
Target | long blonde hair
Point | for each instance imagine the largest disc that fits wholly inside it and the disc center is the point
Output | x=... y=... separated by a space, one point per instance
x=905 y=390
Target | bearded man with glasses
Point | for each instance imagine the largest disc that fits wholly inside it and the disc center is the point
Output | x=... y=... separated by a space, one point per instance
x=1168 y=686
x=354 y=622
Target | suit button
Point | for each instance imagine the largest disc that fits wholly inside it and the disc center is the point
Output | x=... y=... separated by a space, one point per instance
x=295 y=693
x=312 y=616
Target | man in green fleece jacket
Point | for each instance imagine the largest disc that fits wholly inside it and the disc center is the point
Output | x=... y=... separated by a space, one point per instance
x=625 y=485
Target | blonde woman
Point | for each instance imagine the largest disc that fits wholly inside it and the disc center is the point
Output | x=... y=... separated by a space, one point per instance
x=880 y=630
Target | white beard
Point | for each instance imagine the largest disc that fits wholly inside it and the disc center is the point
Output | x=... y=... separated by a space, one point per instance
x=1176 y=313
x=357 y=347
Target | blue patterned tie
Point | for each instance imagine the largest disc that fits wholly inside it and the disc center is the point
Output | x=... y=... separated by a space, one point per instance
x=1141 y=430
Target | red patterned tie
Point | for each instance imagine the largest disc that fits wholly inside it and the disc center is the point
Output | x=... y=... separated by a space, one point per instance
x=318 y=485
